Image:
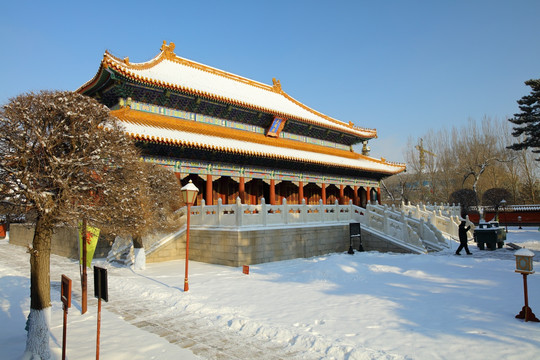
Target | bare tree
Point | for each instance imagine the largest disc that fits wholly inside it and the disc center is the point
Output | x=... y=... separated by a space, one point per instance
x=420 y=169
x=529 y=174
x=436 y=179
x=466 y=198
x=396 y=188
x=159 y=198
x=470 y=156
x=60 y=155
x=479 y=150
x=494 y=196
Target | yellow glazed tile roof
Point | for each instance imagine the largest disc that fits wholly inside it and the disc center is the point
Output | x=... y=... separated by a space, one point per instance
x=176 y=132
x=167 y=70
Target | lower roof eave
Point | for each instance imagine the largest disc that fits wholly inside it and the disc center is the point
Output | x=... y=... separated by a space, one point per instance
x=177 y=150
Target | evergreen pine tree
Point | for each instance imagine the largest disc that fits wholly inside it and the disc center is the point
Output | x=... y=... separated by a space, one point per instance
x=528 y=121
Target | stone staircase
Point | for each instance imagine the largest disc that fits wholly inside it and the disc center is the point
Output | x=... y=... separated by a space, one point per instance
x=403 y=229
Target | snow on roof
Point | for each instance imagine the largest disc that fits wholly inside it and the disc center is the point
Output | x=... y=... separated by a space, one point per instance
x=169 y=70
x=524 y=252
x=153 y=127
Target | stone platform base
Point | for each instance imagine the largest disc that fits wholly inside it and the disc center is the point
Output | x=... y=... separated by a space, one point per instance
x=232 y=246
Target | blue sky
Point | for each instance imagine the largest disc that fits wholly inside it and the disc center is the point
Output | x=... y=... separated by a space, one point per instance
x=402 y=67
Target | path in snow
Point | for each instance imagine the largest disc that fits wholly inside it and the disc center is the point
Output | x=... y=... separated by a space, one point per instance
x=190 y=331
x=180 y=327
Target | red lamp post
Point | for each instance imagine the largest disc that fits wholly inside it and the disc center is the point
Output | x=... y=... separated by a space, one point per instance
x=189 y=194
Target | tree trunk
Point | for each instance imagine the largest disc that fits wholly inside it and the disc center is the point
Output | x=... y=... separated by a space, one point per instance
x=137 y=241
x=139 y=260
x=37 y=343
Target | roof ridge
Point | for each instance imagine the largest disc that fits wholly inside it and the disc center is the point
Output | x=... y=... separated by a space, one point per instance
x=167 y=53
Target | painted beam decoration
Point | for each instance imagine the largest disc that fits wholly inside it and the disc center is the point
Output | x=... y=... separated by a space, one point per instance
x=187 y=167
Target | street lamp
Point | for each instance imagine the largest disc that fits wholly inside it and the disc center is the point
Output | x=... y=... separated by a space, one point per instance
x=189 y=193
x=503 y=204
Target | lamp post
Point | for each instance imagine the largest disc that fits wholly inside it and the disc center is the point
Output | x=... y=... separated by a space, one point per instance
x=524 y=265
x=189 y=193
x=503 y=204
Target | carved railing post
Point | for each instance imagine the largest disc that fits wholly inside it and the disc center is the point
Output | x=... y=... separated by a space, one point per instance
x=285 y=211
x=303 y=212
x=239 y=212
x=421 y=231
x=264 y=212
x=203 y=214
x=219 y=202
x=386 y=225
x=404 y=228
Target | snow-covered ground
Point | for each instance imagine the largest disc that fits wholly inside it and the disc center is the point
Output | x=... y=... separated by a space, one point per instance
x=363 y=306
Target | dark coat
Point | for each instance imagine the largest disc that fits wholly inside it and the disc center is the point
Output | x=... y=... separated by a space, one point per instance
x=463 y=232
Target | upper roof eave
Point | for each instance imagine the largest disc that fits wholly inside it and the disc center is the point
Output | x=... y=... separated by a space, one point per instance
x=145 y=73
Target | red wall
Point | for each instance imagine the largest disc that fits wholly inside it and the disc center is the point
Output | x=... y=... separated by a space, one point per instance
x=510 y=218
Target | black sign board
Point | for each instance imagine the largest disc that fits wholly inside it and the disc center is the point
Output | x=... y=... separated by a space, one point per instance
x=100 y=284
x=354 y=232
x=65 y=292
x=354 y=229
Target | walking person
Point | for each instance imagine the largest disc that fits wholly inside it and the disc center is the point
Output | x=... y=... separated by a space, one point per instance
x=463 y=238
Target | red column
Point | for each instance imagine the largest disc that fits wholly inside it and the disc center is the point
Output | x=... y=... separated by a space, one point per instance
x=242 y=190
x=341 y=194
x=323 y=193
x=254 y=190
x=300 y=191
x=272 y=192
x=379 y=195
x=209 y=190
x=368 y=191
x=356 y=200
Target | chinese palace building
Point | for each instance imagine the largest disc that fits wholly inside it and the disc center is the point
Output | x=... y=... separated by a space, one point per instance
x=236 y=137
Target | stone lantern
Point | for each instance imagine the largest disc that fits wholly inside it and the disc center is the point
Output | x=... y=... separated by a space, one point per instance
x=524 y=265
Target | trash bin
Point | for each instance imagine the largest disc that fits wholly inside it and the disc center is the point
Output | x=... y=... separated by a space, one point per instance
x=490 y=235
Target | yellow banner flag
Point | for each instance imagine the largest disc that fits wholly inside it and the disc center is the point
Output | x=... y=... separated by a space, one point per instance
x=92 y=236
